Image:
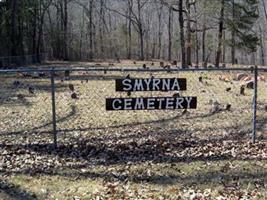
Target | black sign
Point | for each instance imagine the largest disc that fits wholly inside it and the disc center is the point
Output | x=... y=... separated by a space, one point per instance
x=151 y=103
x=150 y=84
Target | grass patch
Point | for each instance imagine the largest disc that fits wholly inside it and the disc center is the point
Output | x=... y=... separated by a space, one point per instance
x=128 y=155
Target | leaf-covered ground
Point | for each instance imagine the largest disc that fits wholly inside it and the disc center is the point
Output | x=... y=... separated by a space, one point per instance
x=199 y=154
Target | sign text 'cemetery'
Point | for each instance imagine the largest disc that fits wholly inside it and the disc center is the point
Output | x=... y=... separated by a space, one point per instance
x=151 y=103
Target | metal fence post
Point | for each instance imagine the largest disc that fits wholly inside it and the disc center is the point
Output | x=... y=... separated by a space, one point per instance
x=53 y=107
x=254 y=132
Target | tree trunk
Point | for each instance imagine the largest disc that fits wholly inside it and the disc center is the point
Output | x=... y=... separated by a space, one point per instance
x=204 y=44
x=91 y=43
x=141 y=31
x=13 y=35
x=220 y=35
x=20 y=37
x=224 y=47
x=153 y=53
x=81 y=37
x=130 y=5
x=65 y=30
x=262 y=51
x=43 y=9
x=188 y=32
x=197 y=39
x=147 y=38
x=233 y=35
x=141 y=35
x=58 y=49
x=101 y=28
x=34 y=29
x=159 y=31
x=197 y=50
x=170 y=27
x=265 y=10
x=204 y=37
x=262 y=47
x=182 y=39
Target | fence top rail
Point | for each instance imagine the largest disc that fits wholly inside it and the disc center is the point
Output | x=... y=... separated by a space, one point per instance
x=127 y=69
x=22 y=56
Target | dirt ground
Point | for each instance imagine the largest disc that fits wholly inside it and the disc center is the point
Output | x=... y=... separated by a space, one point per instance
x=198 y=154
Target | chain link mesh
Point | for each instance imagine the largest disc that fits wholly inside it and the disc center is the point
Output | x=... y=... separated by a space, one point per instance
x=222 y=111
x=25 y=107
x=262 y=106
x=18 y=61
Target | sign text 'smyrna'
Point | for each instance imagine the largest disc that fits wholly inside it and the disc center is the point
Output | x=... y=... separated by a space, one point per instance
x=150 y=84
x=151 y=103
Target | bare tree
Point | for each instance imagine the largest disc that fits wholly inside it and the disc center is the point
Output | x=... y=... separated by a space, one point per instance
x=170 y=30
x=220 y=34
x=101 y=26
x=159 y=13
x=188 y=33
x=65 y=29
x=262 y=46
x=13 y=35
x=130 y=8
x=182 y=37
x=264 y=8
x=134 y=28
x=137 y=21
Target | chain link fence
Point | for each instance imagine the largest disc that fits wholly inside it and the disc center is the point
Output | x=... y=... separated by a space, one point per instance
x=19 y=61
x=226 y=103
x=25 y=107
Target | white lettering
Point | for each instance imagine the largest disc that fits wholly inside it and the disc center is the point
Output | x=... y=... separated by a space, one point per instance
x=127 y=85
x=161 y=100
x=114 y=104
x=127 y=104
x=179 y=103
x=156 y=83
x=151 y=104
x=147 y=81
x=169 y=103
x=166 y=84
x=138 y=86
x=189 y=100
x=176 y=85
x=139 y=105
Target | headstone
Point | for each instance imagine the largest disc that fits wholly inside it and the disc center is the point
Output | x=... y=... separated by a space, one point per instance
x=174 y=63
x=241 y=76
x=250 y=84
x=228 y=107
x=242 y=90
x=67 y=73
x=228 y=89
x=71 y=87
x=74 y=95
x=31 y=90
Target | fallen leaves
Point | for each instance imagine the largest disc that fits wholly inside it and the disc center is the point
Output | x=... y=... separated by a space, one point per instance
x=151 y=155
